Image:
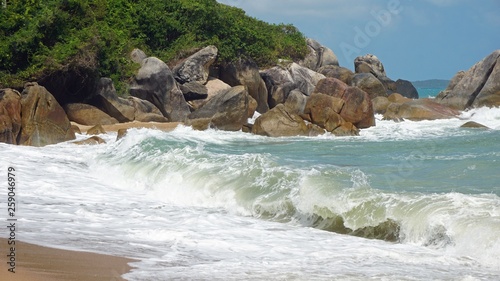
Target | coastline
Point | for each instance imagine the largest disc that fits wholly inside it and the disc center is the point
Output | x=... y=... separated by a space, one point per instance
x=169 y=126
x=39 y=263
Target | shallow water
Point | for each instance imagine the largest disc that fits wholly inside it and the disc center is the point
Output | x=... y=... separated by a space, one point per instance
x=403 y=201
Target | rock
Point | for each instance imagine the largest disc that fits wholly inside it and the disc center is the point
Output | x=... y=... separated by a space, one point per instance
x=90 y=141
x=380 y=104
x=108 y=101
x=121 y=133
x=96 y=130
x=137 y=55
x=416 y=110
x=479 y=86
x=10 y=115
x=358 y=108
x=323 y=110
x=346 y=129
x=196 y=67
x=214 y=87
x=194 y=91
x=370 y=84
x=398 y=98
x=278 y=122
x=145 y=111
x=252 y=106
x=228 y=111
x=43 y=120
x=389 y=84
x=406 y=89
x=343 y=74
x=246 y=72
x=332 y=87
x=296 y=102
x=282 y=79
x=315 y=130
x=280 y=93
x=87 y=114
x=76 y=129
x=305 y=79
x=472 y=124
x=318 y=56
x=155 y=82
x=369 y=64
x=199 y=124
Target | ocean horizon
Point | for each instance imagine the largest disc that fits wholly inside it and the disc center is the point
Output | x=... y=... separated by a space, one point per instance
x=402 y=201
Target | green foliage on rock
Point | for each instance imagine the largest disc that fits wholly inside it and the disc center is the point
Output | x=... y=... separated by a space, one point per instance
x=39 y=37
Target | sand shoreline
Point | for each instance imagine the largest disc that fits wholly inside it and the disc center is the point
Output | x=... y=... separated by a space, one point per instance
x=39 y=263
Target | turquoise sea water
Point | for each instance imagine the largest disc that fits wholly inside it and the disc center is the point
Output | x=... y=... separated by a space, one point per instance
x=428 y=92
x=403 y=201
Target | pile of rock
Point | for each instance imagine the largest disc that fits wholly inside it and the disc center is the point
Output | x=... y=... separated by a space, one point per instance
x=310 y=97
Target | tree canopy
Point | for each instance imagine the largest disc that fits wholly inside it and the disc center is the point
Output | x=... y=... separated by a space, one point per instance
x=39 y=37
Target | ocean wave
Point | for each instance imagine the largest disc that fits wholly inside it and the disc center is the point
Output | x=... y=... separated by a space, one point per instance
x=209 y=171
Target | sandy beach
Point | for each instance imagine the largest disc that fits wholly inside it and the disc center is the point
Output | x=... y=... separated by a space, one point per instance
x=37 y=263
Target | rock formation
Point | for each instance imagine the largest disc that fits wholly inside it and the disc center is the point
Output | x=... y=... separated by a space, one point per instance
x=10 y=115
x=479 y=86
x=43 y=119
x=155 y=83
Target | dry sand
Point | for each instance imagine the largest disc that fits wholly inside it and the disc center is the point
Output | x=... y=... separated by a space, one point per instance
x=37 y=263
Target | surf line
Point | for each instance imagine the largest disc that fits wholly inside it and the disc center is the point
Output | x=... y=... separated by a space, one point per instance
x=11 y=219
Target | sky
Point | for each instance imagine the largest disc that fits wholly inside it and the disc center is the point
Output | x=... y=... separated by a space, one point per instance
x=414 y=39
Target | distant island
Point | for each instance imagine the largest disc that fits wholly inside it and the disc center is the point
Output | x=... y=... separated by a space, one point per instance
x=431 y=84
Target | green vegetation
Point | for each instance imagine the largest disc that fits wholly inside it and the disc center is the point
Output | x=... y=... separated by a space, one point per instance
x=40 y=37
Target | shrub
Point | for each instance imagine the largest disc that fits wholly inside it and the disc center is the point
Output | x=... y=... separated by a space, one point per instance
x=39 y=37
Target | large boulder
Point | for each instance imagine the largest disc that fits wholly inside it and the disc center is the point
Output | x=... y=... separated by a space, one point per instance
x=296 y=102
x=227 y=111
x=479 y=86
x=196 y=67
x=332 y=87
x=323 y=111
x=145 y=111
x=10 y=115
x=87 y=114
x=282 y=79
x=137 y=55
x=214 y=87
x=278 y=122
x=318 y=56
x=304 y=78
x=406 y=89
x=380 y=104
x=370 y=84
x=43 y=119
x=416 y=110
x=194 y=91
x=246 y=72
x=369 y=64
x=343 y=74
x=155 y=82
x=358 y=108
x=108 y=101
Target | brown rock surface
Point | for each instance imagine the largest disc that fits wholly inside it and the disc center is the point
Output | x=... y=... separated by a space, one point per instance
x=43 y=119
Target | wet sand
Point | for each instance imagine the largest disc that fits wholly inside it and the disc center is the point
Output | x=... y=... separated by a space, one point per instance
x=37 y=263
